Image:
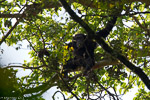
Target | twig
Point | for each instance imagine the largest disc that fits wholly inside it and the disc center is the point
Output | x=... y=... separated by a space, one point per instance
x=9 y=32
x=56 y=93
x=14 y=66
x=104 y=89
x=68 y=88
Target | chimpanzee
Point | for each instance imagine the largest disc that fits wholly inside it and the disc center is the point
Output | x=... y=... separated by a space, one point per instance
x=84 y=49
x=83 y=53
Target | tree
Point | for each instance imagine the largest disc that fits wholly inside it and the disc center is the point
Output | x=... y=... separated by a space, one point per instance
x=122 y=60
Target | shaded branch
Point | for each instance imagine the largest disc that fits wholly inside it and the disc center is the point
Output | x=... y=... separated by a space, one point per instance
x=98 y=65
x=135 y=13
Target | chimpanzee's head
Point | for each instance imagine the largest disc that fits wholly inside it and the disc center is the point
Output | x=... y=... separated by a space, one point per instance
x=79 y=39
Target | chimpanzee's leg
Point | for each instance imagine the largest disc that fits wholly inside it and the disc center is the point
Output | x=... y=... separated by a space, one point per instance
x=72 y=64
x=89 y=63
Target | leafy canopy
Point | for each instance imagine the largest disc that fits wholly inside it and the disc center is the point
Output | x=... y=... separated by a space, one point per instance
x=46 y=25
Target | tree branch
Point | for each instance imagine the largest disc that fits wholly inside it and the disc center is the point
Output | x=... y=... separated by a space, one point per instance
x=69 y=89
x=9 y=32
x=104 y=89
x=14 y=66
x=55 y=4
x=136 y=20
x=77 y=19
x=48 y=84
x=12 y=15
x=106 y=47
x=123 y=59
x=60 y=93
x=105 y=62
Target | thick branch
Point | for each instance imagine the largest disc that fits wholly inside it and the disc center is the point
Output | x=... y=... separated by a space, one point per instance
x=105 y=62
x=99 y=64
x=123 y=59
x=11 y=15
x=106 y=47
x=55 y=4
x=89 y=3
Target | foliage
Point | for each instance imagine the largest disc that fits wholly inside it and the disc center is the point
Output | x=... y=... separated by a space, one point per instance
x=45 y=25
x=9 y=83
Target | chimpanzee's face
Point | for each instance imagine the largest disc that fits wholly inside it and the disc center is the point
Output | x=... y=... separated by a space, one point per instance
x=79 y=38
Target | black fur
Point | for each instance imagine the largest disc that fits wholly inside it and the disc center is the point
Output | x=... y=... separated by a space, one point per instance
x=83 y=53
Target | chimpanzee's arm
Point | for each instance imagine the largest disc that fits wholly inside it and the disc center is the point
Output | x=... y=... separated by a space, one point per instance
x=72 y=44
x=106 y=31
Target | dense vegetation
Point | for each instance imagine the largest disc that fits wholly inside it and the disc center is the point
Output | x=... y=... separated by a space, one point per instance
x=122 y=60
